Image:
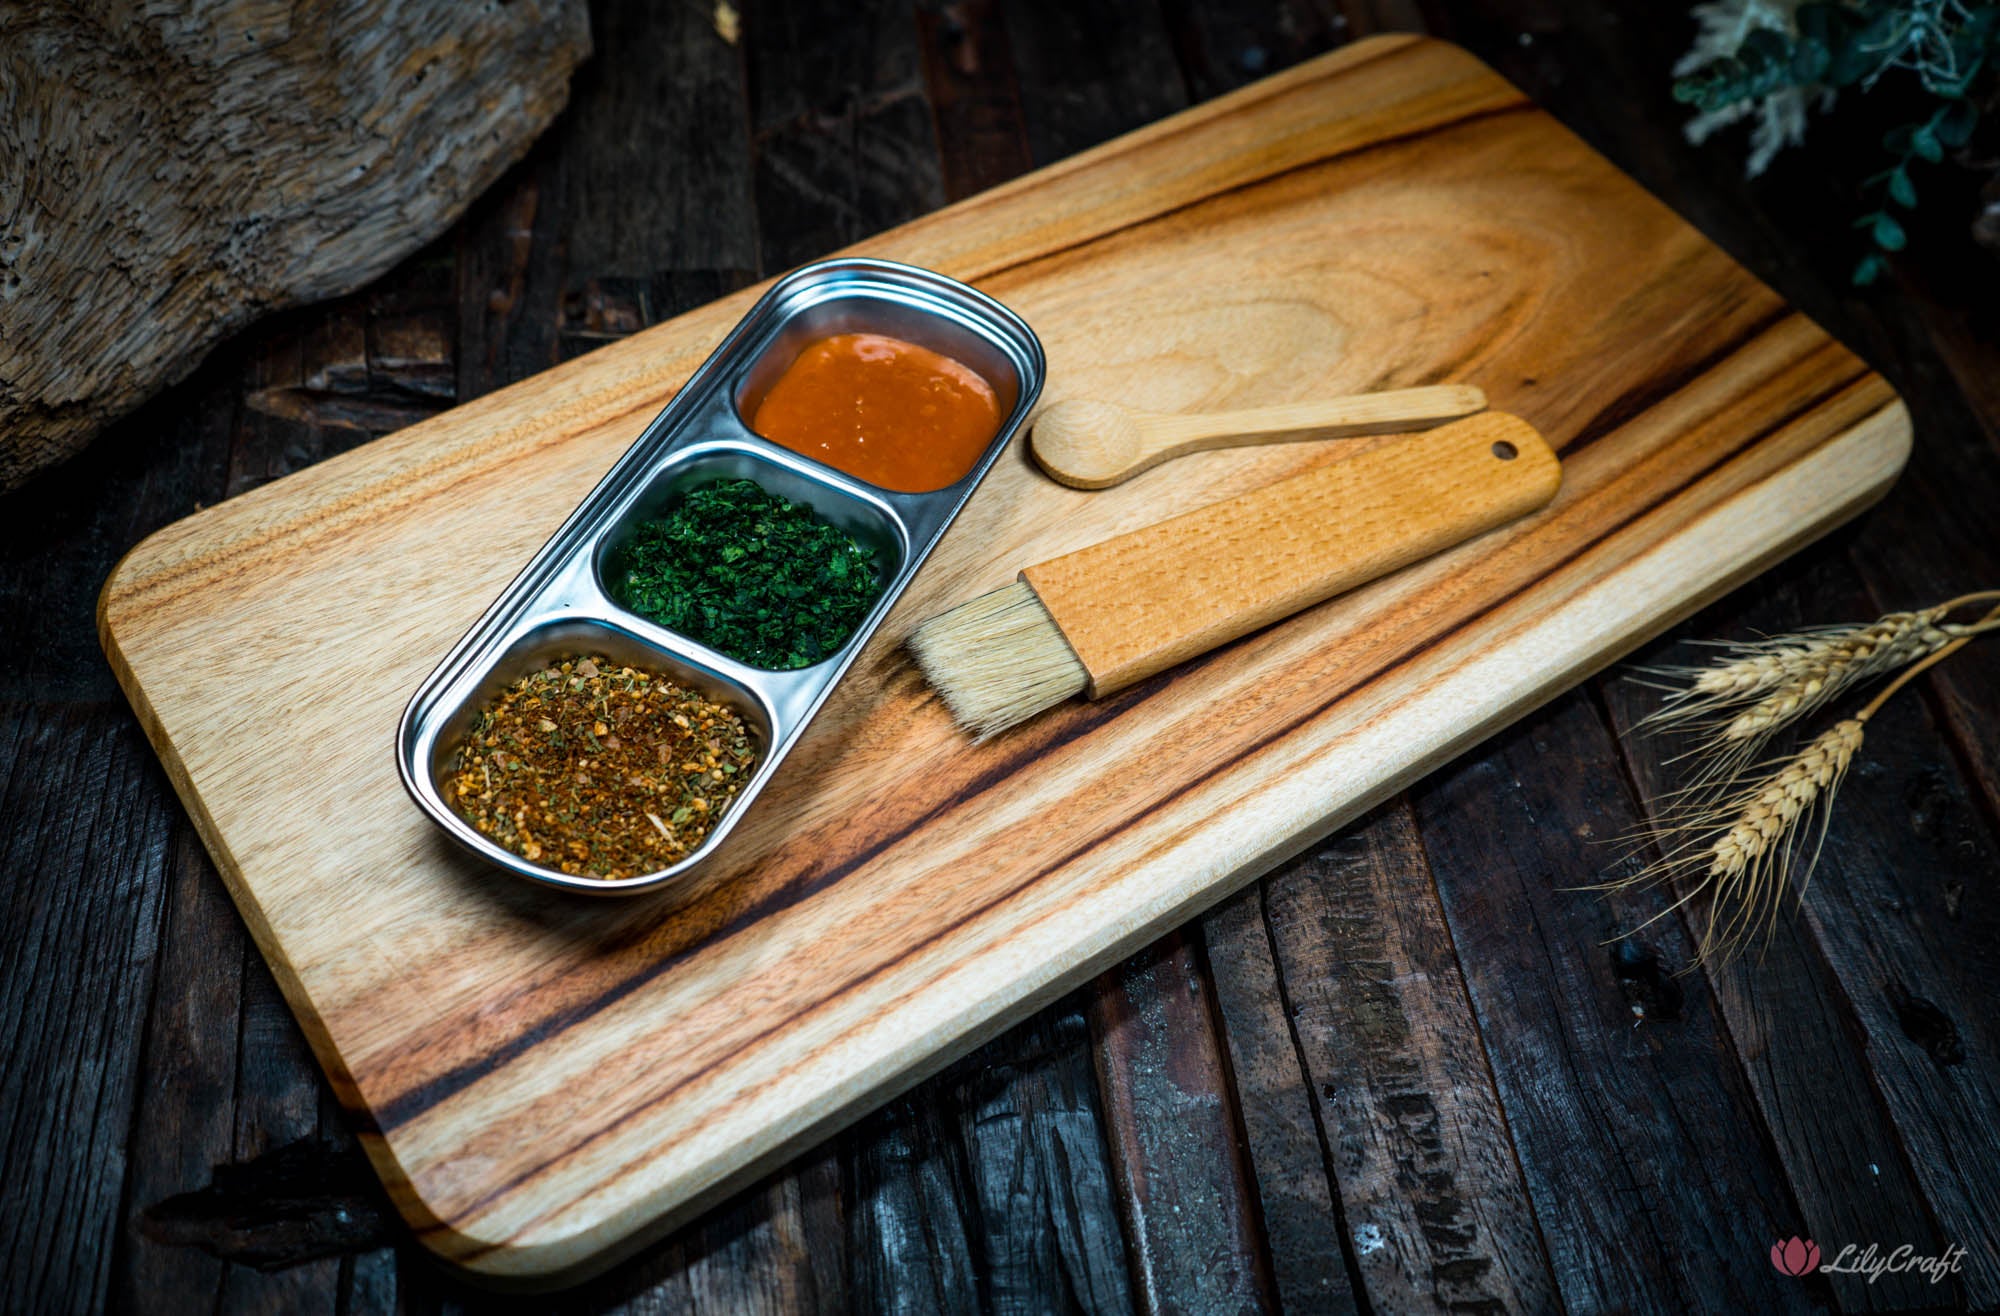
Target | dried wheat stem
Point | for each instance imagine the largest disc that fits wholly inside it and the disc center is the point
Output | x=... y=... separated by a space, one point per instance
x=1977 y=596
x=1752 y=856
x=1784 y=679
x=1964 y=636
x=1750 y=860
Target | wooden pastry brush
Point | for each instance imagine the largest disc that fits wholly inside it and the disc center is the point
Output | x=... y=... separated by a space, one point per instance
x=1101 y=618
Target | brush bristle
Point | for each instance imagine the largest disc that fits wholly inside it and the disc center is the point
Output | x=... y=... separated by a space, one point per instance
x=998 y=659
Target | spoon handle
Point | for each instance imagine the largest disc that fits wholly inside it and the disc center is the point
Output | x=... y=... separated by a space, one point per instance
x=1139 y=603
x=1169 y=436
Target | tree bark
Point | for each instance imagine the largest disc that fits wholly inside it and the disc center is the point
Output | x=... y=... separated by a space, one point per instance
x=169 y=172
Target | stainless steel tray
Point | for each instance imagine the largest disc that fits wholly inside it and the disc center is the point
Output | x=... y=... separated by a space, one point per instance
x=559 y=605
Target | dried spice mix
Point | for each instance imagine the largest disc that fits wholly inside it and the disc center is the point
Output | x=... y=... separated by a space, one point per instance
x=748 y=573
x=599 y=770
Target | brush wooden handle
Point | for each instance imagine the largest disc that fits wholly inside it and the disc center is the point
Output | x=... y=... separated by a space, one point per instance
x=1139 y=603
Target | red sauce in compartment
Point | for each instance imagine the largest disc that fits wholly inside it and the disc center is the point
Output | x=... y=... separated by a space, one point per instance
x=882 y=410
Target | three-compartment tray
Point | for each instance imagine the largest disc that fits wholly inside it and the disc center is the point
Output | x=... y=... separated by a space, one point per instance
x=561 y=605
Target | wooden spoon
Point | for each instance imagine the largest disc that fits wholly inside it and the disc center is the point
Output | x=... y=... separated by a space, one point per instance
x=1094 y=445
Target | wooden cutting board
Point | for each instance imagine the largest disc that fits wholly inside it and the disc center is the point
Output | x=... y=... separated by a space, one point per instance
x=546 y=1082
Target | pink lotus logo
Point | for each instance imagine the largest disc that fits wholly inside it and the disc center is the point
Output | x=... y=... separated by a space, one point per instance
x=1797 y=1256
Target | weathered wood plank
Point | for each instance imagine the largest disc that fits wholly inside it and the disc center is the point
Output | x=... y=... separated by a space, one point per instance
x=510 y=284
x=843 y=134
x=1902 y=909
x=277 y=1103
x=1962 y=326
x=88 y=852
x=1090 y=70
x=657 y=149
x=60 y=537
x=988 y=1187
x=1191 y=1225
x=1937 y=540
x=1042 y=1199
x=186 y=1121
x=1645 y=1160
x=1223 y=44
x=1793 y=1029
x=61 y=534
x=754 y=1255
x=974 y=98
x=86 y=849
x=1436 y=1213
x=1292 y=1169
x=658 y=174
x=907 y=1234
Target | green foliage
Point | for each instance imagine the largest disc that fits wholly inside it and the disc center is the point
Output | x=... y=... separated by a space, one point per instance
x=1945 y=45
x=749 y=574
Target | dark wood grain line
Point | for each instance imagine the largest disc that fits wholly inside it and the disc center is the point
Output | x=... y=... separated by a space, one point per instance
x=1643 y=396
x=411 y=1103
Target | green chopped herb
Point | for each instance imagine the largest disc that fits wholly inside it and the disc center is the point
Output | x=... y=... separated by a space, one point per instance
x=748 y=573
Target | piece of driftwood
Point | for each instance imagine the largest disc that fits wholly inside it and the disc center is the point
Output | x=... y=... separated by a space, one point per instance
x=169 y=172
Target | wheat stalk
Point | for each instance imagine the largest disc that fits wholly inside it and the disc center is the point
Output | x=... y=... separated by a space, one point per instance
x=1740 y=844
x=1734 y=706
x=1740 y=851
x=1783 y=679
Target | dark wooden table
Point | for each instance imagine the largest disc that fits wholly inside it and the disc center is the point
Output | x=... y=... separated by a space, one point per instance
x=1406 y=1073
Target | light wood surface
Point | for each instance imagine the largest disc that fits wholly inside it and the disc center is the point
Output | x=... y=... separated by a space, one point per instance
x=1141 y=602
x=1088 y=444
x=546 y=1082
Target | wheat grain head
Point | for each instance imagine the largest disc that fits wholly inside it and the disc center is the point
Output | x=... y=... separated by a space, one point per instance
x=1744 y=850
